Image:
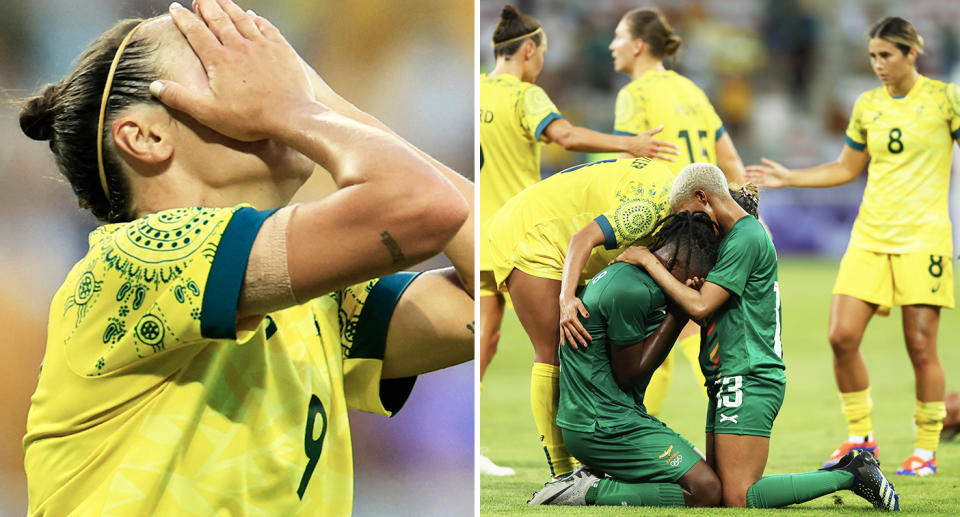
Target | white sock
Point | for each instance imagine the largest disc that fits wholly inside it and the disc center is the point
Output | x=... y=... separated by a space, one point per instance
x=923 y=454
x=860 y=439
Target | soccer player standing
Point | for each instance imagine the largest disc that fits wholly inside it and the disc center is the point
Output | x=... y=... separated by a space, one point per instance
x=900 y=250
x=516 y=119
x=642 y=40
x=202 y=356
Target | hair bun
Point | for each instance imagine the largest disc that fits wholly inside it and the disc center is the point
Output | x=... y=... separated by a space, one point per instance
x=672 y=45
x=37 y=115
x=509 y=12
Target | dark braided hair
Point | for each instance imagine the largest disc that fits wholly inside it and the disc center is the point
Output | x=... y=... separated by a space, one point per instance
x=747 y=196
x=693 y=236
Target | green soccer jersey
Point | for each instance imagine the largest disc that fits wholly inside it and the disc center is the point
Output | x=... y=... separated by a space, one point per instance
x=625 y=307
x=743 y=335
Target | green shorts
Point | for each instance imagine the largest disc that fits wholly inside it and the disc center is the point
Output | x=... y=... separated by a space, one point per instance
x=743 y=404
x=646 y=450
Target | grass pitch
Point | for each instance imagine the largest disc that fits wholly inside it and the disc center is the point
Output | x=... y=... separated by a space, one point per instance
x=807 y=429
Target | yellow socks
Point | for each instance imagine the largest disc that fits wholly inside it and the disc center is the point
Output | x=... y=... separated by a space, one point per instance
x=660 y=381
x=856 y=408
x=657 y=387
x=544 y=396
x=690 y=346
x=929 y=419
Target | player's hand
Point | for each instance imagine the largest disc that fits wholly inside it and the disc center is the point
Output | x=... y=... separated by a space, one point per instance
x=572 y=332
x=646 y=145
x=695 y=283
x=636 y=255
x=769 y=175
x=255 y=81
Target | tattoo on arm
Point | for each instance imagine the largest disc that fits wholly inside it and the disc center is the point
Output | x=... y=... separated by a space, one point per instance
x=392 y=245
x=470 y=328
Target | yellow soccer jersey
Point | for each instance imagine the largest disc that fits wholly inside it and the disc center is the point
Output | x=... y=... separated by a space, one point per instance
x=513 y=117
x=532 y=231
x=666 y=97
x=910 y=141
x=151 y=402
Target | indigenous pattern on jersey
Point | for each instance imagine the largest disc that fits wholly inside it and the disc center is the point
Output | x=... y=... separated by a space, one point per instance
x=910 y=142
x=513 y=117
x=151 y=401
x=626 y=306
x=532 y=231
x=666 y=97
x=743 y=335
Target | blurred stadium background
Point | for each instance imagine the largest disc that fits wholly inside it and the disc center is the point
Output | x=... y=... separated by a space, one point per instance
x=783 y=75
x=409 y=63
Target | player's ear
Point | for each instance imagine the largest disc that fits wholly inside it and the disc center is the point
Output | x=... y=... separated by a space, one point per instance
x=143 y=135
x=529 y=47
x=638 y=46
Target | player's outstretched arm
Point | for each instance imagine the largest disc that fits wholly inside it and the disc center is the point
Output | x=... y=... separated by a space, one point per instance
x=576 y=138
x=392 y=209
x=632 y=363
x=697 y=303
x=582 y=243
x=843 y=170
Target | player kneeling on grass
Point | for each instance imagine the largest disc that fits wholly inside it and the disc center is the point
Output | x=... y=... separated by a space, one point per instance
x=604 y=422
x=738 y=307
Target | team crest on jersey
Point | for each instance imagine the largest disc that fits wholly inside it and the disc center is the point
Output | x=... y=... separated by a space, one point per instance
x=536 y=101
x=673 y=458
x=625 y=108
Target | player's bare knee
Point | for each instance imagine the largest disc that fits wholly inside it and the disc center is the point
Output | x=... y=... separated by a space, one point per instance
x=489 y=336
x=702 y=486
x=843 y=341
x=735 y=498
x=706 y=492
x=920 y=353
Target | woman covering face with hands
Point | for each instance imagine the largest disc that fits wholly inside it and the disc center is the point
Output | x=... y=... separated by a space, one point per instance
x=202 y=356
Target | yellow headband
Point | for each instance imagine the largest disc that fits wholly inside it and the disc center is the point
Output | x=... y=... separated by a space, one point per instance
x=103 y=107
x=518 y=38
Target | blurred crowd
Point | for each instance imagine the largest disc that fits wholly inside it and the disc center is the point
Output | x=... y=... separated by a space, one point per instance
x=782 y=74
x=409 y=63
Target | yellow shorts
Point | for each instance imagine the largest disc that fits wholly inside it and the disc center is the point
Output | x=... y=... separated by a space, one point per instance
x=535 y=253
x=888 y=280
